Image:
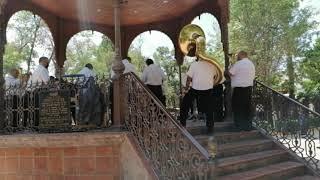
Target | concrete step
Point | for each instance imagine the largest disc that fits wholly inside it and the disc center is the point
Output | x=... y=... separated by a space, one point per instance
x=228 y=137
x=280 y=171
x=244 y=147
x=246 y=162
x=306 y=177
x=200 y=128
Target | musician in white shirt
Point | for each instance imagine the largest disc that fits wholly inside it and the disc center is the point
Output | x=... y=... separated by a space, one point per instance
x=242 y=75
x=128 y=66
x=153 y=76
x=87 y=71
x=39 y=76
x=41 y=73
x=11 y=80
x=201 y=74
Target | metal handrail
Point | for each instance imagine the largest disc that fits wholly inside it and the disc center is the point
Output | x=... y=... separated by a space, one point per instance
x=289 y=99
x=174 y=153
x=200 y=148
x=288 y=122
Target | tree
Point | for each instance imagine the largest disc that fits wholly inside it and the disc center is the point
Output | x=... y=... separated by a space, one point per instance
x=266 y=29
x=83 y=49
x=165 y=58
x=136 y=54
x=31 y=39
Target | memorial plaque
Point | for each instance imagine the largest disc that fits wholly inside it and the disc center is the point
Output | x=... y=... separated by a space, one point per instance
x=54 y=109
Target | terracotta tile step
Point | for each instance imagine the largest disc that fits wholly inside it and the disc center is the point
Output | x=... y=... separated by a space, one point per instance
x=244 y=147
x=246 y=162
x=228 y=137
x=306 y=177
x=278 y=171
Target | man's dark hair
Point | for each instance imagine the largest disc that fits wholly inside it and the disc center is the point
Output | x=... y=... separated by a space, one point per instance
x=149 y=61
x=89 y=66
x=43 y=59
x=192 y=48
x=128 y=58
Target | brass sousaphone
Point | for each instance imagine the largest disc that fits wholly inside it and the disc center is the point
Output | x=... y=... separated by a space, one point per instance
x=193 y=35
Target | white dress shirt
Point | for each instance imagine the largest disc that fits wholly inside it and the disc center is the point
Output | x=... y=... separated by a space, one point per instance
x=11 y=82
x=87 y=72
x=202 y=74
x=39 y=75
x=128 y=67
x=153 y=75
x=242 y=73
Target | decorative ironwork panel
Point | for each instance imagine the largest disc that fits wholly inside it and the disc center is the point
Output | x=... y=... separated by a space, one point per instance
x=171 y=149
x=289 y=122
x=89 y=104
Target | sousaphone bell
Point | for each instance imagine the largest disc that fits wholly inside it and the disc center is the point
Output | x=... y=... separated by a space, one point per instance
x=192 y=38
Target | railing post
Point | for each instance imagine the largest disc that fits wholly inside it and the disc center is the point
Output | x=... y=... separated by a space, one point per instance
x=2 y=46
x=117 y=66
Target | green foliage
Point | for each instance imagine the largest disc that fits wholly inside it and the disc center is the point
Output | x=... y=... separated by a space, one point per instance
x=273 y=32
x=31 y=39
x=310 y=66
x=165 y=58
x=83 y=49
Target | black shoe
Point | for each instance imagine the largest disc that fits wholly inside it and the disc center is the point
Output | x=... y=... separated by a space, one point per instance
x=210 y=130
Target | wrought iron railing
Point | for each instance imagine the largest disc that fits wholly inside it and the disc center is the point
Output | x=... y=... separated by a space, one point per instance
x=173 y=152
x=289 y=122
x=72 y=103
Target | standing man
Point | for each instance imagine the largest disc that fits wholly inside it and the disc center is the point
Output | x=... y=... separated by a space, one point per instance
x=128 y=66
x=87 y=71
x=153 y=77
x=41 y=73
x=39 y=76
x=12 y=92
x=242 y=76
x=201 y=73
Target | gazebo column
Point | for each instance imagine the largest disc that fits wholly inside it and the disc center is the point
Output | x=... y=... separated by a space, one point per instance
x=3 y=42
x=60 y=47
x=117 y=66
x=225 y=43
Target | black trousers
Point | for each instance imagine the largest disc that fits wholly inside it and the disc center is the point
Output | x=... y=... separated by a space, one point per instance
x=218 y=103
x=157 y=91
x=241 y=107
x=204 y=98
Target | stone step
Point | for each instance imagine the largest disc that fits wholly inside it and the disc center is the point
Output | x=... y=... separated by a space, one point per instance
x=228 y=137
x=306 y=177
x=246 y=162
x=198 y=129
x=278 y=171
x=244 y=147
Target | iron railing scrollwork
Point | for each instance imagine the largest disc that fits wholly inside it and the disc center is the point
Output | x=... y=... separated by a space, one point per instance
x=289 y=122
x=172 y=151
x=89 y=104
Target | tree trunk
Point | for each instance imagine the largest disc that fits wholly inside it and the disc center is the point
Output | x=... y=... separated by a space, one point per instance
x=3 y=41
x=290 y=70
x=33 y=43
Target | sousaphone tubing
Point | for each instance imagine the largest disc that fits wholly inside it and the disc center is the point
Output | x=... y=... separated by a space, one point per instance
x=193 y=36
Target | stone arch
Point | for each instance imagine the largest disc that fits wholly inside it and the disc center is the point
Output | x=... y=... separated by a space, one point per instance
x=214 y=41
x=47 y=48
x=101 y=58
x=157 y=36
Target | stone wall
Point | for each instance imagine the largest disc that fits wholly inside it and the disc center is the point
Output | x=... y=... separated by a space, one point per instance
x=84 y=156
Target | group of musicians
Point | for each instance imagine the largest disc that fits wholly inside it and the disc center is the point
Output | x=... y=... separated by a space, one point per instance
x=200 y=87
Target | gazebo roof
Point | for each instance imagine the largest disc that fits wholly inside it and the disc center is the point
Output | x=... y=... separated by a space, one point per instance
x=133 y=12
x=65 y=18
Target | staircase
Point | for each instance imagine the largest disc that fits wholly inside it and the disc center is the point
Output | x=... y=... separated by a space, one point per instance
x=249 y=155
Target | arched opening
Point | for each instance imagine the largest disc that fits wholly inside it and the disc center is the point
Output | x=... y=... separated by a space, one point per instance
x=211 y=28
x=159 y=47
x=89 y=47
x=28 y=39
